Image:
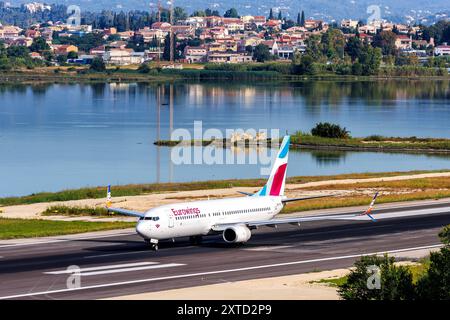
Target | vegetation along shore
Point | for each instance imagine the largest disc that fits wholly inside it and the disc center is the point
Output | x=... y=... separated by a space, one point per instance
x=333 y=137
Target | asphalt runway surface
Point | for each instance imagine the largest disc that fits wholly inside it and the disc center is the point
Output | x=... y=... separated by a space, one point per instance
x=122 y=264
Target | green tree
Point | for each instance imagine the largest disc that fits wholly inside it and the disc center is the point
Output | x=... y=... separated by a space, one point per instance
x=18 y=52
x=261 y=53
x=39 y=45
x=306 y=65
x=314 y=48
x=231 y=13
x=357 y=69
x=333 y=44
x=198 y=13
x=72 y=55
x=144 y=68
x=370 y=58
x=271 y=14
x=385 y=40
x=329 y=130
x=280 y=17
x=395 y=281
x=4 y=61
x=302 y=20
x=167 y=45
x=179 y=14
x=435 y=284
x=98 y=65
x=444 y=235
x=61 y=59
x=354 y=48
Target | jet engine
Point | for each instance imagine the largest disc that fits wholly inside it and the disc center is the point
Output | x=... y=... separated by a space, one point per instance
x=237 y=234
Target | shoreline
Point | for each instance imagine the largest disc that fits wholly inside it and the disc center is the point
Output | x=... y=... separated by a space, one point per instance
x=339 y=145
x=61 y=75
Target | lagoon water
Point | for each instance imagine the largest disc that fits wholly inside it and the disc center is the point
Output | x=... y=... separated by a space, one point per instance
x=57 y=136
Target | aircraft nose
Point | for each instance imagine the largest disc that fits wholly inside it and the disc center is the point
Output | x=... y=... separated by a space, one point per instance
x=143 y=229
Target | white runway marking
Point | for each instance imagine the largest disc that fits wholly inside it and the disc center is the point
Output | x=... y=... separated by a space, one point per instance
x=117 y=254
x=188 y=275
x=65 y=240
x=268 y=248
x=114 y=266
x=157 y=266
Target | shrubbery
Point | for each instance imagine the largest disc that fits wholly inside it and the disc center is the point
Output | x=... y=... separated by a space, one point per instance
x=144 y=68
x=98 y=65
x=329 y=130
x=396 y=282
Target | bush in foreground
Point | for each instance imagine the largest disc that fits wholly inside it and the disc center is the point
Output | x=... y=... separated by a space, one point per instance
x=395 y=281
x=435 y=284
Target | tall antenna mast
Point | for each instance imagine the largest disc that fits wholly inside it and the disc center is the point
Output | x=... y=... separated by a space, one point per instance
x=172 y=44
x=159 y=10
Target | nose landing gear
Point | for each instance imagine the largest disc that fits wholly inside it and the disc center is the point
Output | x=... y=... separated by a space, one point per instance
x=153 y=243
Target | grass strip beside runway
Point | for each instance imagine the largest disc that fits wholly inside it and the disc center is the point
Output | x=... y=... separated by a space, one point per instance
x=141 y=189
x=21 y=228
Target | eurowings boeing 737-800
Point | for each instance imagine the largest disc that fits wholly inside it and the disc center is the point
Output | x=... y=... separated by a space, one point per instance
x=233 y=217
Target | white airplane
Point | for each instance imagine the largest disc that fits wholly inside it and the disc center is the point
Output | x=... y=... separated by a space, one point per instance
x=233 y=217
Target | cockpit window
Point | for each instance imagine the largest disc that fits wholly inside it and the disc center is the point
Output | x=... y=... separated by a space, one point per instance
x=150 y=218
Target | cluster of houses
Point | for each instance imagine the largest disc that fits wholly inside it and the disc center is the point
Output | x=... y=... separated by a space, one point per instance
x=224 y=40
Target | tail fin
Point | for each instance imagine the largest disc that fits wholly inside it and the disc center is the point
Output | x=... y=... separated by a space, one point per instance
x=277 y=179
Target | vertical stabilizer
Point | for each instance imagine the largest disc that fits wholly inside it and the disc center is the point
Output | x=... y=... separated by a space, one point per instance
x=275 y=184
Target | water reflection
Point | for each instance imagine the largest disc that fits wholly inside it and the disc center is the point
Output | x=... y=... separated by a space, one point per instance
x=56 y=136
x=328 y=158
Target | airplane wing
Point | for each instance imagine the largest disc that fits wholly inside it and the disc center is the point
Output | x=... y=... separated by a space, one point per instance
x=297 y=220
x=290 y=200
x=305 y=198
x=292 y=221
x=119 y=210
x=126 y=212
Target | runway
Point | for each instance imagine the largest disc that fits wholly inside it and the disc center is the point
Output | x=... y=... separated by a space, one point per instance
x=121 y=264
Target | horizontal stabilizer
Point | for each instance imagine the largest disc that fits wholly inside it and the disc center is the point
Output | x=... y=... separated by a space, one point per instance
x=245 y=193
x=305 y=198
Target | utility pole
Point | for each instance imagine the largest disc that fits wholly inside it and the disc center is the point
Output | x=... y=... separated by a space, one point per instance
x=159 y=10
x=172 y=44
x=158 y=41
x=158 y=133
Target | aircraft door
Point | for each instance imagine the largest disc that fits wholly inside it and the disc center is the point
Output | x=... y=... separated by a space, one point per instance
x=171 y=218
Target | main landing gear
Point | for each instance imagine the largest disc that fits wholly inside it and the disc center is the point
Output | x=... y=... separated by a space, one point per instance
x=153 y=244
x=195 y=240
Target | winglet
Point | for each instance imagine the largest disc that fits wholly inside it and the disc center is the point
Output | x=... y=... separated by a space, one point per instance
x=371 y=206
x=108 y=197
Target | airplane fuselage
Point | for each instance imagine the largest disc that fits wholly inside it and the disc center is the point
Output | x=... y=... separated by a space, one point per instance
x=198 y=218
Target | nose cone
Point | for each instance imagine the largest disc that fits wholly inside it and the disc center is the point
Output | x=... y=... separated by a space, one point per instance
x=143 y=229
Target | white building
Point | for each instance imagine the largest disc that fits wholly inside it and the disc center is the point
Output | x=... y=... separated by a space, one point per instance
x=349 y=23
x=442 y=50
x=123 y=57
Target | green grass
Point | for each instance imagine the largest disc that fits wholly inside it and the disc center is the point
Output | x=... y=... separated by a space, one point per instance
x=140 y=189
x=378 y=143
x=333 y=282
x=21 y=228
x=76 y=211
